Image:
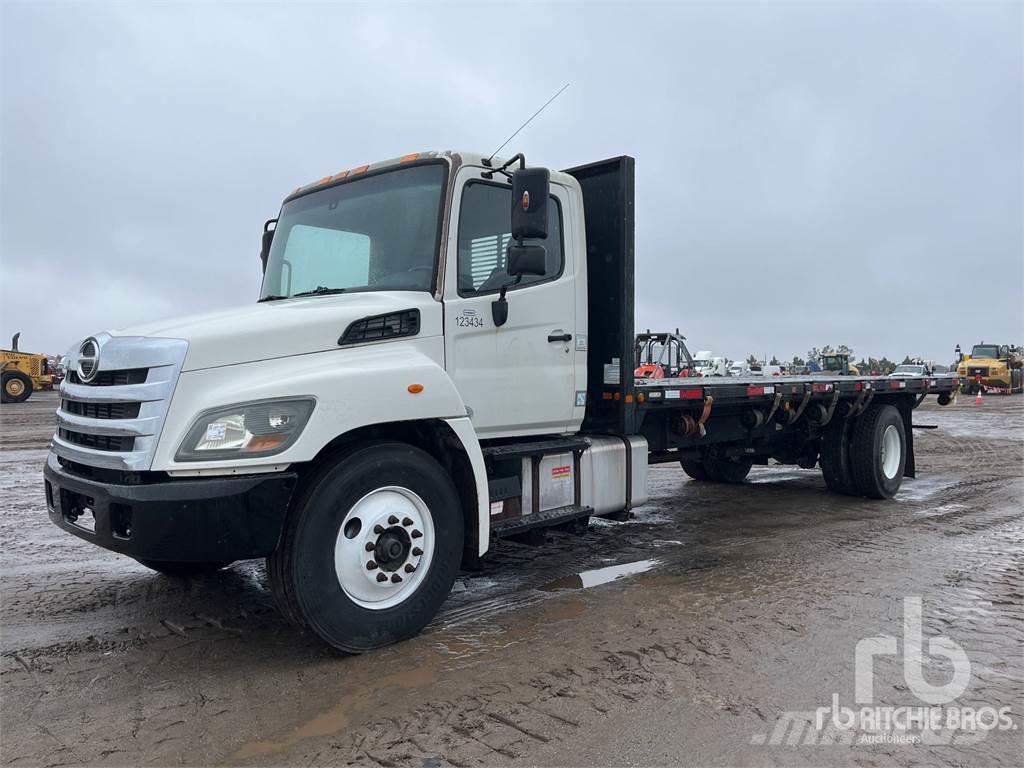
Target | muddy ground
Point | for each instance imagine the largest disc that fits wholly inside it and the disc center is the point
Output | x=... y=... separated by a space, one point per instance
x=734 y=610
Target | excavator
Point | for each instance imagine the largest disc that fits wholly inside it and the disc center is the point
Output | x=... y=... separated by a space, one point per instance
x=22 y=373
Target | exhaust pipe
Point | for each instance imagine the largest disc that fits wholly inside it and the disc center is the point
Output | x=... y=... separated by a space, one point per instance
x=14 y=341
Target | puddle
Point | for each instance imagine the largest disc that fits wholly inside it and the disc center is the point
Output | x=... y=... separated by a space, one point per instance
x=919 y=489
x=598 y=576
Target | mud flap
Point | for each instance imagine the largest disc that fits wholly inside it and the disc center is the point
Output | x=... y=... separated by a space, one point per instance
x=906 y=408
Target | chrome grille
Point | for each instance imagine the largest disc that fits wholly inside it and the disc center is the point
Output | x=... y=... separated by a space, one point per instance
x=114 y=420
x=112 y=378
x=101 y=410
x=99 y=442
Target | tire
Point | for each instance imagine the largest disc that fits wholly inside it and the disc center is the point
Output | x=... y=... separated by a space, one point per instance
x=880 y=431
x=16 y=387
x=695 y=469
x=1015 y=380
x=727 y=470
x=182 y=570
x=326 y=579
x=834 y=457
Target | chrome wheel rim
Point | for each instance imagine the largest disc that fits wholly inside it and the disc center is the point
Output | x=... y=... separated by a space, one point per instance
x=384 y=547
x=890 y=452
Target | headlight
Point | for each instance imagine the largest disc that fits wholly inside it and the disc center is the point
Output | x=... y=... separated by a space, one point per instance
x=246 y=430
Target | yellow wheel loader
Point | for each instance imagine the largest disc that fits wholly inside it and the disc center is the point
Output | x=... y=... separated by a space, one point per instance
x=22 y=373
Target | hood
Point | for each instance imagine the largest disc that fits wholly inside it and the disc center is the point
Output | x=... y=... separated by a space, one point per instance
x=283 y=328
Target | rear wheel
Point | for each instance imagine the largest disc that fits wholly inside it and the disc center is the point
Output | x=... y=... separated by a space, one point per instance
x=371 y=548
x=179 y=569
x=834 y=457
x=734 y=470
x=695 y=469
x=878 y=454
x=17 y=386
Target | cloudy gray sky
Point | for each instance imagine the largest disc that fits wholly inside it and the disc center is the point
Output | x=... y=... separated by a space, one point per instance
x=807 y=173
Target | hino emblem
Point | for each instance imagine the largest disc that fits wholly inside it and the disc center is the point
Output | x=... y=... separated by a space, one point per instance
x=88 y=360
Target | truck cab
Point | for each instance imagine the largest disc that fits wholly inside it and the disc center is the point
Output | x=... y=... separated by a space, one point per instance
x=423 y=316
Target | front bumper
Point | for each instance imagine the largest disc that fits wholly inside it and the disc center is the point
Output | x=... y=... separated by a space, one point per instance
x=194 y=520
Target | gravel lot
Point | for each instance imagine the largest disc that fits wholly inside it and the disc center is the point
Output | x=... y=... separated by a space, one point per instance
x=683 y=636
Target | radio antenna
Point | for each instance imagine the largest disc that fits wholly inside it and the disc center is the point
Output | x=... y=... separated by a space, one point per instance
x=526 y=123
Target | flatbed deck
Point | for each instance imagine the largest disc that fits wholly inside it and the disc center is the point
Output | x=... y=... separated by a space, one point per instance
x=744 y=389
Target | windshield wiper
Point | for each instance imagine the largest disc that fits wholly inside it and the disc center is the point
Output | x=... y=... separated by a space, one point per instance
x=271 y=298
x=320 y=290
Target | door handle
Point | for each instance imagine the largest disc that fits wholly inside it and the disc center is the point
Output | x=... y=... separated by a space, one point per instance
x=556 y=336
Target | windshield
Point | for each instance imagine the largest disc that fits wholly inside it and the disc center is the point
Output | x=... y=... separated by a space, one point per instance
x=985 y=350
x=379 y=233
x=833 y=363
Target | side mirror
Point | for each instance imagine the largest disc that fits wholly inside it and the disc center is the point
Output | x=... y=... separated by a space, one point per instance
x=530 y=190
x=268 y=239
x=526 y=260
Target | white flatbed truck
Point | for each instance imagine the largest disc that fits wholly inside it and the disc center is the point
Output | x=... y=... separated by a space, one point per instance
x=441 y=355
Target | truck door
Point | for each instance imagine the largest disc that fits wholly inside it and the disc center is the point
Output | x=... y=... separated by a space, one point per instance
x=518 y=379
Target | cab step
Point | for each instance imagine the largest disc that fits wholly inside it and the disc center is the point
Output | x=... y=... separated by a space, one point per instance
x=547 y=518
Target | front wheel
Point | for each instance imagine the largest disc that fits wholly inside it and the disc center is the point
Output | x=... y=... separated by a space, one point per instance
x=17 y=387
x=371 y=547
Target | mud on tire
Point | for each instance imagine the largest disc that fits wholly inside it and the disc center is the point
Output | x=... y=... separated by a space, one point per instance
x=878 y=453
x=324 y=572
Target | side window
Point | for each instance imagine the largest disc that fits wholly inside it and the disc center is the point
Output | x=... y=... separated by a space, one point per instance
x=485 y=221
x=329 y=257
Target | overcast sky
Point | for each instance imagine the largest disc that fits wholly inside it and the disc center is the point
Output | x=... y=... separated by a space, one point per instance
x=807 y=174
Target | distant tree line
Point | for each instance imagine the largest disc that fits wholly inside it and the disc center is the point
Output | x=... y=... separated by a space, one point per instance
x=867 y=365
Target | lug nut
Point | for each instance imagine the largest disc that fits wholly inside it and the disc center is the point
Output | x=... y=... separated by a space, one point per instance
x=371 y=565
x=395 y=578
x=409 y=567
x=407 y=521
x=381 y=577
x=417 y=551
x=370 y=546
x=378 y=529
x=416 y=534
x=392 y=520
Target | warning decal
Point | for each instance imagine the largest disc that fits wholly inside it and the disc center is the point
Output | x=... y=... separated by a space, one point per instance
x=557 y=472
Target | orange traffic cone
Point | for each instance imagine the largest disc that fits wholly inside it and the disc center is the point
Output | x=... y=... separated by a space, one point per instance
x=977 y=399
